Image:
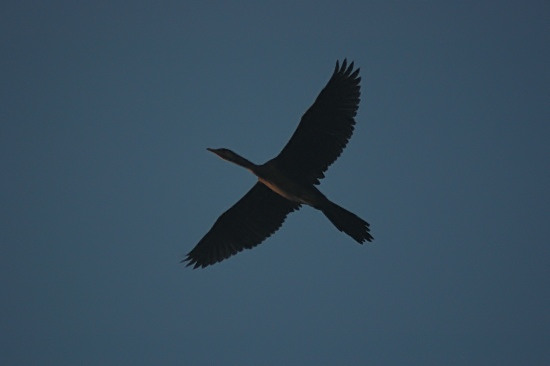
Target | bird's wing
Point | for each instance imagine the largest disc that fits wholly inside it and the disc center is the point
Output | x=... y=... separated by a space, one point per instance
x=324 y=129
x=251 y=220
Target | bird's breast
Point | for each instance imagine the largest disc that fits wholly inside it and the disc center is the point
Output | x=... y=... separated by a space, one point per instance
x=291 y=190
x=281 y=190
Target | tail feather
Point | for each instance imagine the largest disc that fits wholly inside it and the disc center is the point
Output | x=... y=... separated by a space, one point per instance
x=348 y=222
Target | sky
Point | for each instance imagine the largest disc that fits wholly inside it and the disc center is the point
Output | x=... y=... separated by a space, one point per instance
x=108 y=108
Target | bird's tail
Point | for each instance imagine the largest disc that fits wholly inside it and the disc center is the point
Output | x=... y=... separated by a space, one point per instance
x=347 y=222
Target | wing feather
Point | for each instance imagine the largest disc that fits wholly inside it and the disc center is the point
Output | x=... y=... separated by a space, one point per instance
x=251 y=220
x=324 y=129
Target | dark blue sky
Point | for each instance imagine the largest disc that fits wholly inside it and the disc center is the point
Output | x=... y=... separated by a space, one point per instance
x=107 y=109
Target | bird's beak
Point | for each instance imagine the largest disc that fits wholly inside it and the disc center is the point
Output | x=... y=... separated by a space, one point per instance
x=215 y=151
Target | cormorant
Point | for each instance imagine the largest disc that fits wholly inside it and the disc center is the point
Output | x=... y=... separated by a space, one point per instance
x=288 y=181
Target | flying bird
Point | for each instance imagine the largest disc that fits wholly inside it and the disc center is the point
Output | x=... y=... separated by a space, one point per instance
x=289 y=180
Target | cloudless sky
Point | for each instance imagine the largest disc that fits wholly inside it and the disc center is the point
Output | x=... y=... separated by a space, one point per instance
x=107 y=109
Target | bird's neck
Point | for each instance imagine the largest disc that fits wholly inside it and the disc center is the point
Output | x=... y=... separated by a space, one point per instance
x=239 y=160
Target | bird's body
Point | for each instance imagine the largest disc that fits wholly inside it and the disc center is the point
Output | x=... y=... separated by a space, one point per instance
x=276 y=180
x=288 y=181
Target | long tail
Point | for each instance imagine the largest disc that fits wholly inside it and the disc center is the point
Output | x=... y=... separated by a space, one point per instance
x=347 y=222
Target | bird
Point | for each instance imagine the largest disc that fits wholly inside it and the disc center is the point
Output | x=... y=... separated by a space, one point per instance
x=289 y=180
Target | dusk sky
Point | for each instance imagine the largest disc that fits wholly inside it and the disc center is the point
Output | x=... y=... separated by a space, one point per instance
x=108 y=108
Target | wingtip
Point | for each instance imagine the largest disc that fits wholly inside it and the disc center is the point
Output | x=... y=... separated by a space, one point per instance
x=346 y=68
x=188 y=260
x=350 y=68
x=193 y=262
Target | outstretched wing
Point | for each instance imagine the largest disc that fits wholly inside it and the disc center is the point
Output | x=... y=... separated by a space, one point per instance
x=324 y=129
x=250 y=221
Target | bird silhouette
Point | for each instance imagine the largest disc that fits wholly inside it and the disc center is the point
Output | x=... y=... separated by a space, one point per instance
x=289 y=180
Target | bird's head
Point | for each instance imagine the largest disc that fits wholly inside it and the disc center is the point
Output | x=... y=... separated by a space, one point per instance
x=223 y=153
